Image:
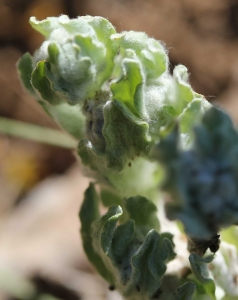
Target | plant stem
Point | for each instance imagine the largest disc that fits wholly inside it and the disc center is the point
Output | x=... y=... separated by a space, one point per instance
x=36 y=133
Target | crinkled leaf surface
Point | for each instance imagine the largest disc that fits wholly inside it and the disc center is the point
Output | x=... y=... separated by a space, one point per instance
x=134 y=252
x=89 y=213
x=80 y=52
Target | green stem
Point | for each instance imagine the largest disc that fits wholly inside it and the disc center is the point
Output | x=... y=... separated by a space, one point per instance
x=36 y=133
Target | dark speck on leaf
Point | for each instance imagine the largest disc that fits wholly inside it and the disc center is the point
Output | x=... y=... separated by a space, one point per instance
x=138 y=288
x=129 y=165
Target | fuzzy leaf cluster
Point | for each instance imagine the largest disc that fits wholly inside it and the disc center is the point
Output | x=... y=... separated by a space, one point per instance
x=132 y=256
x=70 y=66
x=113 y=92
x=203 y=180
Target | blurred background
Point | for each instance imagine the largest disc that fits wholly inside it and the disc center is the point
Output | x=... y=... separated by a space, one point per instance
x=41 y=186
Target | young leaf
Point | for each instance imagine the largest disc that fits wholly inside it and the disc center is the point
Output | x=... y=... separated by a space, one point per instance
x=134 y=252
